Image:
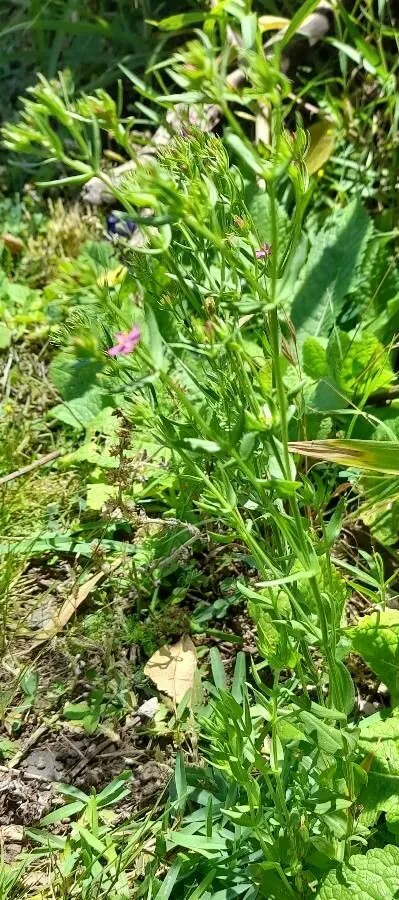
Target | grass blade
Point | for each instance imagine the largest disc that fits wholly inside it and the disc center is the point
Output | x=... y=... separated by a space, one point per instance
x=373 y=456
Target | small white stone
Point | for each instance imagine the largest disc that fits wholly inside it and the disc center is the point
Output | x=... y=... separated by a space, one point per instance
x=148 y=708
x=366 y=708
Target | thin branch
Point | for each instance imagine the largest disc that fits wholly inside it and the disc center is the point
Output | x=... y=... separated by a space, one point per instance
x=49 y=457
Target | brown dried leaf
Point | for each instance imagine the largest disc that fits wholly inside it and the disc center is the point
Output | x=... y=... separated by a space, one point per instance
x=173 y=668
x=12 y=242
x=72 y=603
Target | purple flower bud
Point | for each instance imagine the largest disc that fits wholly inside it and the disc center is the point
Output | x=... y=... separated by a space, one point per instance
x=263 y=252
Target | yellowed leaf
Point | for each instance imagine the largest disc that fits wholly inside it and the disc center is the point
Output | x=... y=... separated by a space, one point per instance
x=12 y=242
x=112 y=277
x=322 y=140
x=72 y=603
x=272 y=23
x=173 y=668
x=373 y=456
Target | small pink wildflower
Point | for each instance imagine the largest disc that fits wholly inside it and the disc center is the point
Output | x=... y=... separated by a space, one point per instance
x=263 y=252
x=127 y=341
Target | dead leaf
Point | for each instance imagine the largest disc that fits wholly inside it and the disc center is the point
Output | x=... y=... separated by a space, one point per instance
x=12 y=242
x=322 y=140
x=173 y=668
x=72 y=604
x=272 y=23
x=316 y=26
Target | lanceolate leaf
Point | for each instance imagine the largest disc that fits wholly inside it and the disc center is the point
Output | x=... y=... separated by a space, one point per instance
x=335 y=255
x=373 y=456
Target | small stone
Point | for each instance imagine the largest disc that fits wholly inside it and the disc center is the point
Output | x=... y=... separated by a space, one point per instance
x=382 y=689
x=366 y=708
x=149 y=708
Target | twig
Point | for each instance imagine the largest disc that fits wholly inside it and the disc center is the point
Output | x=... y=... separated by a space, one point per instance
x=32 y=740
x=381 y=397
x=6 y=372
x=78 y=767
x=49 y=457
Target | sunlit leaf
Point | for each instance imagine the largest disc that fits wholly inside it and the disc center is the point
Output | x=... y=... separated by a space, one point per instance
x=272 y=23
x=322 y=139
x=374 y=456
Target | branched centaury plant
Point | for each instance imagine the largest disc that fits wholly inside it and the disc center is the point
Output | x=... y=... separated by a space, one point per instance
x=209 y=277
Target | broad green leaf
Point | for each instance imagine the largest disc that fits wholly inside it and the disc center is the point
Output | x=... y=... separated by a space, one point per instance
x=370 y=876
x=327 y=738
x=247 y=444
x=379 y=745
x=359 y=366
x=258 y=203
x=314 y=358
x=248 y=30
x=45 y=838
x=373 y=456
x=335 y=254
x=80 y=412
x=273 y=640
x=240 y=671
x=376 y=638
x=74 y=375
x=5 y=336
x=90 y=452
x=98 y=494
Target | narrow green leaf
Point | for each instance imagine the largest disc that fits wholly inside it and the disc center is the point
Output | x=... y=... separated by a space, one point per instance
x=200 y=444
x=218 y=673
x=169 y=881
x=155 y=344
x=203 y=886
x=63 y=812
x=237 y=687
x=180 y=778
x=244 y=152
x=180 y=20
x=90 y=839
x=300 y=575
x=301 y=14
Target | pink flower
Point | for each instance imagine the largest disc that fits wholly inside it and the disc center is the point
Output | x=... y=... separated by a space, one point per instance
x=263 y=252
x=127 y=341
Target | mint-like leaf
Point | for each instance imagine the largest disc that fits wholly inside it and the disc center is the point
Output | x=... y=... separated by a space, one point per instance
x=365 y=877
